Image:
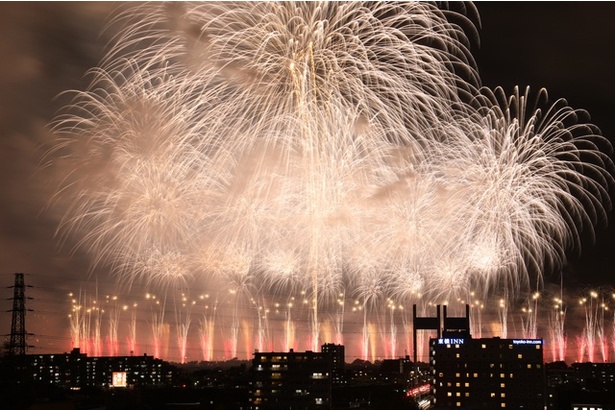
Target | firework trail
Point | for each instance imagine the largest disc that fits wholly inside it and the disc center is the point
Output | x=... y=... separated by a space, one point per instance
x=391 y=343
x=557 y=319
x=476 y=315
x=158 y=326
x=207 y=326
x=503 y=317
x=529 y=320
x=77 y=323
x=338 y=320
x=613 y=328
x=132 y=330
x=182 y=325
x=321 y=149
x=263 y=333
x=114 y=321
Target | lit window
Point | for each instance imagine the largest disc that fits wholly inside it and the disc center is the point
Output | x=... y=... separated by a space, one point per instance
x=519 y=356
x=538 y=347
x=449 y=394
x=457 y=375
x=492 y=394
x=457 y=384
x=502 y=394
x=529 y=366
x=475 y=375
x=466 y=384
x=458 y=404
x=503 y=405
x=483 y=346
x=502 y=375
x=457 y=355
x=458 y=394
x=503 y=385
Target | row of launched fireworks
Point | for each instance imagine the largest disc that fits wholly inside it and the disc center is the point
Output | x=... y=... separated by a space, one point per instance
x=179 y=327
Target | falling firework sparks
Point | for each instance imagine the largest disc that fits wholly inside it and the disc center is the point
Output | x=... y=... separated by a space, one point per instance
x=183 y=320
x=557 y=319
x=317 y=149
x=114 y=321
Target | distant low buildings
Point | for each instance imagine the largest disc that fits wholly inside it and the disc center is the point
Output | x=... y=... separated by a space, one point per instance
x=580 y=386
x=77 y=370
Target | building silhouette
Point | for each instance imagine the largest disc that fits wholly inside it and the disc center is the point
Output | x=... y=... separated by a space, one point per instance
x=487 y=373
x=296 y=380
x=76 y=370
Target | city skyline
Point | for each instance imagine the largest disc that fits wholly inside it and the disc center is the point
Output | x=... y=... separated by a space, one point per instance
x=28 y=219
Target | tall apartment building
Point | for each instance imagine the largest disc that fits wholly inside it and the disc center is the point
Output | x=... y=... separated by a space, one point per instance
x=297 y=380
x=487 y=373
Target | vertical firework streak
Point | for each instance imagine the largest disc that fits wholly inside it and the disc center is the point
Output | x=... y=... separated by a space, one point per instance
x=476 y=316
x=132 y=330
x=503 y=316
x=97 y=311
x=338 y=319
x=529 y=319
x=77 y=323
x=182 y=325
x=601 y=333
x=587 y=341
x=557 y=319
x=290 y=328
x=157 y=325
x=613 y=328
x=207 y=327
x=114 y=321
x=392 y=334
x=262 y=331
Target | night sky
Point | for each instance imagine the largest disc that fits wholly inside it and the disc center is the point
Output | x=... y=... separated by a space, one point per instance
x=46 y=48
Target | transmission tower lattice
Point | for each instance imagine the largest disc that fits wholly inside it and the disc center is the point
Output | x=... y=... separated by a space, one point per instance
x=17 y=343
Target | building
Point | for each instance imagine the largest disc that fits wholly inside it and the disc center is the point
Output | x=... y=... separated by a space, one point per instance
x=588 y=386
x=123 y=371
x=487 y=373
x=76 y=370
x=296 y=380
x=337 y=357
x=63 y=370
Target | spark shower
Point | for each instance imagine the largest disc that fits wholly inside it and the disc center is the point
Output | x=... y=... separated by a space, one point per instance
x=320 y=153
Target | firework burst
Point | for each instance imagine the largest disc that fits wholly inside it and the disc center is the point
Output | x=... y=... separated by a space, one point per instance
x=319 y=149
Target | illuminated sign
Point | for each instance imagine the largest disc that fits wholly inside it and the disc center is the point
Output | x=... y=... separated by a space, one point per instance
x=527 y=341
x=451 y=341
x=425 y=388
x=118 y=379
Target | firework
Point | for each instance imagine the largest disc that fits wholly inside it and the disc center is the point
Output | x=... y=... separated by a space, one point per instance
x=314 y=150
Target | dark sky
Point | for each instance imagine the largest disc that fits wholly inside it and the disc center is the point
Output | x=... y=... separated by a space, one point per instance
x=45 y=48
